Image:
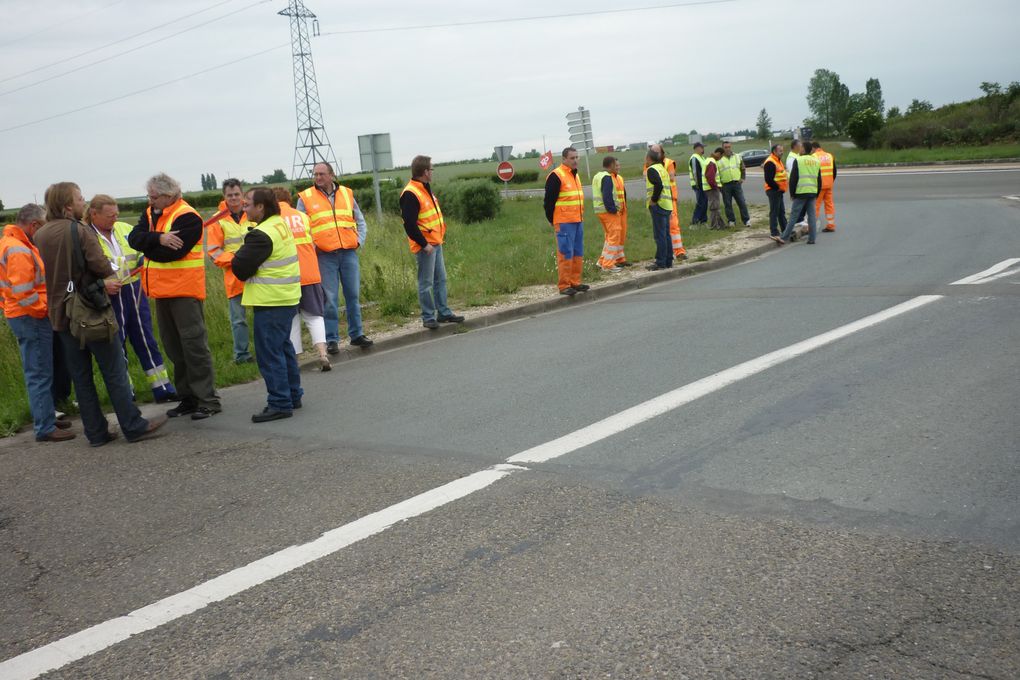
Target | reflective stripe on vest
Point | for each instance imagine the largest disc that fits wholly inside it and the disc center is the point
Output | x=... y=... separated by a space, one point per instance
x=704 y=175
x=332 y=224
x=670 y=166
x=430 y=222
x=181 y=278
x=807 y=174
x=621 y=193
x=29 y=271
x=569 y=206
x=277 y=283
x=666 y=197
x=729 y=169
x=308 y=262
x=780 y=172
x=826 y=162
x=128 y=268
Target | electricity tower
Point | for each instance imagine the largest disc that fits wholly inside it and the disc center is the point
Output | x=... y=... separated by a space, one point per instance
x=312 y=145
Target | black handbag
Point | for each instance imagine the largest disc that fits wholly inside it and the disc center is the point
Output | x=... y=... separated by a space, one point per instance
x=86 y=303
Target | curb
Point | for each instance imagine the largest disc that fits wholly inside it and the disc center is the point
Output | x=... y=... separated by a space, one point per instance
x=922 y=164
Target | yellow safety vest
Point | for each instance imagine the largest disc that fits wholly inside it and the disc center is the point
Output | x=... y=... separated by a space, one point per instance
x=277 y=283
x=666 y=197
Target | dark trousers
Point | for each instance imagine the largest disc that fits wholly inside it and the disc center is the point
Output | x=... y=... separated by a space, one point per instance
x=700 y=206
x=181 y=324
x=61 y=388
x=663 y=241
x=735 y=190
x=113 y=367
x=134 y=323
x=274 y=354
x=777 y=212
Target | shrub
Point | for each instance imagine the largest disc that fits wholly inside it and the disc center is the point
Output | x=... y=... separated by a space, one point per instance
x=469 y=201
x=521 y=177
x=863 y=125
x=388 y=193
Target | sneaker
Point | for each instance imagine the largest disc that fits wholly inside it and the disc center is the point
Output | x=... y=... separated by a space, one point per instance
x=612 y=270
x=361 y=341
x=333 y=347
x=431 y=324
x=154 y=424
x=568 y=291
x=203 y=412
x=731 y=224
x=270 y=414
x=182 y=409
x=56 y=436
x=453 y=318
x=747 y=223
x=802 y=223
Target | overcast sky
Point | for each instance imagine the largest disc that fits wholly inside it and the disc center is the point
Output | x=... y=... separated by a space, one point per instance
x=451 y=92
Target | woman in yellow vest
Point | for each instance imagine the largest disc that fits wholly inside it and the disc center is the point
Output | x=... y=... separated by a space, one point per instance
x=268 y=265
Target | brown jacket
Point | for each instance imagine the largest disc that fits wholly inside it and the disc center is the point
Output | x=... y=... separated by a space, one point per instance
x=52 y=240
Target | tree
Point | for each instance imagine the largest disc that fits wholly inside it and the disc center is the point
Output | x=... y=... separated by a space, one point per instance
x=764 y=125
x=277 y=177
x=1 y=205
x=863 y=125
x=826 y=98
x=873 y=95
x=919 y=106
x=991 y=89
x=213 y=184
x=894 y=113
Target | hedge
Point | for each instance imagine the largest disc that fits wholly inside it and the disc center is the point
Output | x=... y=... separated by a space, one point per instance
x=469 y=201
x=521 y=177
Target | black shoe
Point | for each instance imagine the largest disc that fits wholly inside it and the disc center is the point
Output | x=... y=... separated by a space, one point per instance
x=203 y=412
x=568 y=291
x=431 y=324
x=361 y=341
x=167 y=399
x=107 y=438
x=453 y=318
x=582 y=287
x=270 y=414
x=654 y=267
x=810 y=243
x=246 y=360
x=296 y=403
x=624 y=264
x=182 y=409
x=333 y=347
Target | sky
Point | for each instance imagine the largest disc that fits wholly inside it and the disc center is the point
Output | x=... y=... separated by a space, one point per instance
x=449 y=92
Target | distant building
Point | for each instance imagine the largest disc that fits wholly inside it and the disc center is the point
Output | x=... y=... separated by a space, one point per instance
x=735 y=138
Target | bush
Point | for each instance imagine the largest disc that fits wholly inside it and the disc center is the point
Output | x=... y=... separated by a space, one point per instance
x=863 y=125
x=522 y=177
x=469 y=201
x=388 y=193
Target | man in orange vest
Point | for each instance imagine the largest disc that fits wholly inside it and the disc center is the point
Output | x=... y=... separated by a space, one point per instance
x=828 y=164
x=426 y=230
x=338 y=230
x=223 y=237
x=775 y=189
x=169 y=234
x=564 y=208
x=23 y=290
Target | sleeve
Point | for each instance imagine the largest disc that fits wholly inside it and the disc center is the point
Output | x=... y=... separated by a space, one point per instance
x=300 y=205
x=656 y=181
x=255 y=250
x=743 y=168
x=609 y=194
x=409 y=207
x=95 y=258
x=818 y=182
x=188 y=228
x=214 y=246
x=794 y=176
x=833 y=168
x=359 y=219
x=710 y=176
x=770 y=176
x=552 y=192
x=21 y=276
x=141 y=239
x=697 y=172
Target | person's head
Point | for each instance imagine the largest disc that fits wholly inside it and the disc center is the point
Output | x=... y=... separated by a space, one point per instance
x=808 y=147
x=281 y=195
x=611 y=164
x=717 y=154
x=260 y=204
x=322 y=175
x=796 y=146
x=421 y=169
x=654 y=155
x=30 y=218
x=777 y=149
x=699 y=148
x=570 y=157
x=232 y=195
x=659 y=151
x=64 y=201
x=162 y=190
x=816 y=146
x=103 y=212
x=727 y=149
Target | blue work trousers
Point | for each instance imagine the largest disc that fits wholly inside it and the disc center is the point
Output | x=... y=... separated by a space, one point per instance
x=660 y=231
x=274 y=354
x=239 y=329
x=35 y=344
x=432 y=284
x=340 y=269
x=700 y=214
x=135 y=321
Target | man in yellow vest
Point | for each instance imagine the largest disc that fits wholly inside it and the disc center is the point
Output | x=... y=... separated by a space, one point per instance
x=696 y=170
x=564 y=208
x=338 y=230
x=609 y=198
x=224 y=233
x=169 y=234
x=827 y=162
x=660 y=204
x=733 y=173
x=713 y=190
x=268 y=264
x=130 y=305
x=426 y=230
x=805 y=180
x=675 y=235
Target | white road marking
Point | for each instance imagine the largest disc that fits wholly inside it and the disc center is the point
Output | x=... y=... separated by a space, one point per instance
x=103 y=635
x=1012 y=198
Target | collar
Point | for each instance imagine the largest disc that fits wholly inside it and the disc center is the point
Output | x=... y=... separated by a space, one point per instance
x=15 y=231
x=571 y=171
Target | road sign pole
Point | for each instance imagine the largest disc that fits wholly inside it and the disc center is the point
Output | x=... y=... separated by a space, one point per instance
x=375 y=183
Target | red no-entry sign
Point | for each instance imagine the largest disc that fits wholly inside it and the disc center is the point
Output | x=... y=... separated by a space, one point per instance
x=505 y=171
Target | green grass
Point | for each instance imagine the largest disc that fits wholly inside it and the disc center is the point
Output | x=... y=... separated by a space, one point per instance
x=943 y=153
x=484 y=262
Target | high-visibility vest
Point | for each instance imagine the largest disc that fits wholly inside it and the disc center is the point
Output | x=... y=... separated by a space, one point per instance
x=781 y=180
x=300 y=228
x=670 y=166
x=570 y=203
x=729 y=169
x=430 y=222
x=277 y=282
x=666 y=197
x=333 y=225
x=690 y=168
x=223 y=237
x=22 y=277
x=619 y=193
x=826 y=160
x=129 y=265
x=704 y=175
x=181 y=278
x=807 y=174
x=790 y=157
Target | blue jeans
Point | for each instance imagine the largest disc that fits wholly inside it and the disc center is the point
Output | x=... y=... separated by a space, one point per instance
x=340 y=269
x=113 y=367
x=239 y=329
x=35 y=342
x=432 y=283
x=660 y=231
x=275 y=356
x=797 y=207
x=700 y=206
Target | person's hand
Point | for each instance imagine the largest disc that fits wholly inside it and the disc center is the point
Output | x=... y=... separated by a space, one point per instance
x=428 y=248
x=112 y=286
x=170 y=240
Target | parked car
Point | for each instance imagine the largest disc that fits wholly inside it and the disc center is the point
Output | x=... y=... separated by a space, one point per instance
x=754 y=157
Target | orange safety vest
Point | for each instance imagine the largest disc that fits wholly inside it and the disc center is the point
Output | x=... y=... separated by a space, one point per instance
x=621 y=193
x=181 y=278
x=223 y=238
x=333 y=225
x=670 y=166
x=22 y=277
x=826 y=160
x=570 y=203
x=299 y=227
x=430 y=216
x=781 y=179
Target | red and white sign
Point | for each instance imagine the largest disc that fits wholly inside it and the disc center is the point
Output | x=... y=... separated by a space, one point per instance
x=505 y=171
x=545 y=160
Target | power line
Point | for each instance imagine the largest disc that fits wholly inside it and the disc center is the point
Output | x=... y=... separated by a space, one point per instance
x=507 y=20
x=57 y=24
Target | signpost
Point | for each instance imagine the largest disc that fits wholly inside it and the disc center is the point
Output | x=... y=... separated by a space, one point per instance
x=502 y=152
x=505 y=171
x=581 y=138
x=376 y=155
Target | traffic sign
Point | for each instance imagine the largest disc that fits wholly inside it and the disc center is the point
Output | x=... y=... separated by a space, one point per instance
x=581 y=114
x=505 y=171
x=502 y=152
x=545 y=160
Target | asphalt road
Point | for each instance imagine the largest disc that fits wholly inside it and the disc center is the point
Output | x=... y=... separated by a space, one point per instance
x=850 y=511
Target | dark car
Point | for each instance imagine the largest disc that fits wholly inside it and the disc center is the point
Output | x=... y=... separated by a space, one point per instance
x=754 y=157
